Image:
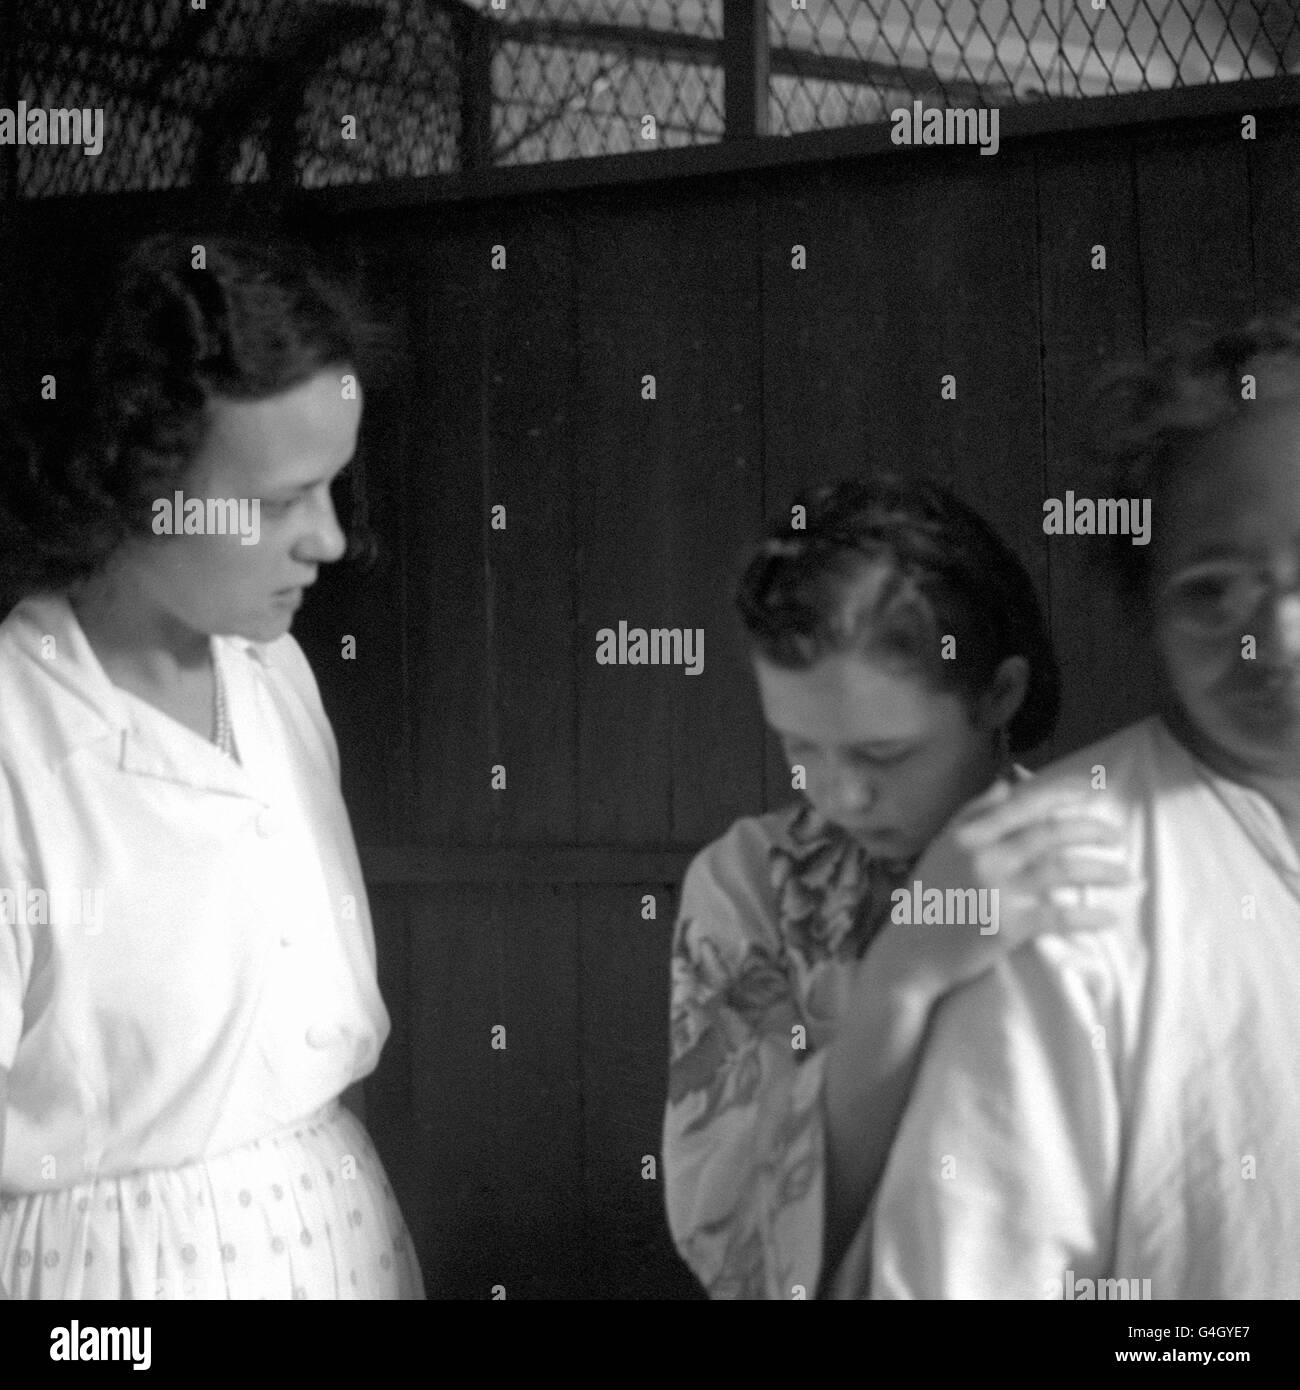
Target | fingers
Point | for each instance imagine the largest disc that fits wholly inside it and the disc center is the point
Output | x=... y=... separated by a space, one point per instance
x=997 y=793
x=1077 y=907
x=1021 y=847
x=1054 y=855
x=984 y=822
x=1063 y=912
x=1083 y=919
x=1066 y=891
x=1060 y=917
x=1063 y=868
x=1051 y=854
x=1072 y=869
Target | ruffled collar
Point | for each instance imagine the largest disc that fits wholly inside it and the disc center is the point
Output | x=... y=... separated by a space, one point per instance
x=832 y=897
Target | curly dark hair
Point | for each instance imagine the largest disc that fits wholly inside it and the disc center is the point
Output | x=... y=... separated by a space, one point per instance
x=256 y=320
x=1148 y=417
x=891 y=564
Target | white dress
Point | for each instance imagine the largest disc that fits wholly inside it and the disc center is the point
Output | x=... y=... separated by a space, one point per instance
x=187 y=985
x=1117 y=1114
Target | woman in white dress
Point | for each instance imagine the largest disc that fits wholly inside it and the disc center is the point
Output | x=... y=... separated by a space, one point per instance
x=187 y=971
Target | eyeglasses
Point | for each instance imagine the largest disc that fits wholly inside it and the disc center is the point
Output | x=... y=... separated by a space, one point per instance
x=1221 y=595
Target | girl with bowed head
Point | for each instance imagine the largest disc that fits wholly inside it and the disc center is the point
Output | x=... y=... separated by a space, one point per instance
x=902 y=659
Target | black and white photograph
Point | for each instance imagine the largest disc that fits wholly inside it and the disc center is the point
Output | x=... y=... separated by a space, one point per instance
x=649 y=652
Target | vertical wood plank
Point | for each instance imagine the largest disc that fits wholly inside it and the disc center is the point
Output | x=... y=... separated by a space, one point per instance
x=541 y=1162
x=659 y=295
x=1090 y=317
x=453 y=729
x=1275 y=209
x=1193 y=200
x=8 y=99
x=455 y=1000
x=498 y=1128
x=525 y=445
x=625 y=994
x=713 y=508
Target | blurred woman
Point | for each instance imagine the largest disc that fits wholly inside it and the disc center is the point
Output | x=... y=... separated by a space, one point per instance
x=1121 y=1111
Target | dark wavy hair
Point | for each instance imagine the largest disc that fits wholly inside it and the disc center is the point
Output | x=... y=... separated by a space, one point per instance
x=1149 y=417
x=891 y=565
x=257 y=320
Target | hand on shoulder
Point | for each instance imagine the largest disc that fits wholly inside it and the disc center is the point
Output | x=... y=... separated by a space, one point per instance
x=1012 y=864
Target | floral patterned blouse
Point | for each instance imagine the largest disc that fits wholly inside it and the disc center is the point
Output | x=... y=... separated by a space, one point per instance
x=774 y=919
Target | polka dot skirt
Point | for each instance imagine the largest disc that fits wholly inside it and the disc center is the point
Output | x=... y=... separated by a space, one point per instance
x=305 y=1213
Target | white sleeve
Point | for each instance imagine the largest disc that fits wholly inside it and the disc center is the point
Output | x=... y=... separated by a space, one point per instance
x=15 y=939
x=1004 y=1173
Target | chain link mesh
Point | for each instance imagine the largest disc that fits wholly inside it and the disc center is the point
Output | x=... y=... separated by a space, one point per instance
x=221 y=93
x=248 y=91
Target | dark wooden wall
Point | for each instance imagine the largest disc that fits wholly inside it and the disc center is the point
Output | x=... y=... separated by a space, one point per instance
x=522 y=907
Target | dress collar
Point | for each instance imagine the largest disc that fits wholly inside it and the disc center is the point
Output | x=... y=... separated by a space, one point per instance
x=832 y=897
x=88 y=709
x=1251 y=809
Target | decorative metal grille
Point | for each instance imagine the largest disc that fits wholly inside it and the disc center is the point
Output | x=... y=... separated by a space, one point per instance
x=247 y=91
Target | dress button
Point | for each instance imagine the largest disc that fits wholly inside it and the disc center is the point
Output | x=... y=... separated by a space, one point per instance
x=319 y=1035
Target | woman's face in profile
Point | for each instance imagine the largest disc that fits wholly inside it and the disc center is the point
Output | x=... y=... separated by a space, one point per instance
x=284 y=451
x=887 y=758
x=1226 y=585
